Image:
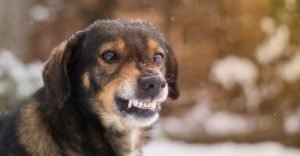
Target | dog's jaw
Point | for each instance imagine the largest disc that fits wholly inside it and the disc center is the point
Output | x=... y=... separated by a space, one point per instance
x=138 y=112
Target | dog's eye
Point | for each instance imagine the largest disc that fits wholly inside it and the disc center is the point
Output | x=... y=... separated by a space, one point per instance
x=158 y=58
x=110 y=56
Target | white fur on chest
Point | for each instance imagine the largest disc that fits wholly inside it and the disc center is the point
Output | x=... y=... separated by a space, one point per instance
x=134 y=139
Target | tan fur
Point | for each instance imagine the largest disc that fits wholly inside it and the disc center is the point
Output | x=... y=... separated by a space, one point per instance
x=118 y=46
x=129 y=73
x=33 y=133
x=86 y=80
x=153 y=47
x=106 y=110
x=133 y=139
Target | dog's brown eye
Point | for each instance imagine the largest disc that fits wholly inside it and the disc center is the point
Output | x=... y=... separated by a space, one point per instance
x=158 y=58
x=110 y=56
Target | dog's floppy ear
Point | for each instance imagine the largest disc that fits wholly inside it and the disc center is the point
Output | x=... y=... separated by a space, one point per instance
x=55 y=73
x=171 y=74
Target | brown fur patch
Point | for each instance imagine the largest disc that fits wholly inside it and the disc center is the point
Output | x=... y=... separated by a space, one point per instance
x=120 y=46
x=127 y=73
x=86 y=80
x=130 y=72
x=131 y=141
x=106 y=110
x=33 y=133
x=154 y=47
x=117 y=45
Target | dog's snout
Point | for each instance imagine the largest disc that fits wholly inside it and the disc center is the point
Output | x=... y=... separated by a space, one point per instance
x=151 y=86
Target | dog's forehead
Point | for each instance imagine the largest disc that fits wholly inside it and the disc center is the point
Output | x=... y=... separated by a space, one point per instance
x=119 y=27
x=135 y=34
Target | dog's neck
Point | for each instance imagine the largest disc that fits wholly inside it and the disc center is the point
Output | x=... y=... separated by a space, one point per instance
x=126 y=140
x=82 y=133
x=129 y=143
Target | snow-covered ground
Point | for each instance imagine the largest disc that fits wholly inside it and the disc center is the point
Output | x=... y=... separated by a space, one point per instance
x=165 y=147
x=162 y=146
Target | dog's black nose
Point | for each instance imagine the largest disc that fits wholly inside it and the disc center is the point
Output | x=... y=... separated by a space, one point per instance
x=150 y=86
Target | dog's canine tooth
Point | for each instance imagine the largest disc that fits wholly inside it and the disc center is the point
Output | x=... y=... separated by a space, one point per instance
x=130 y=103
x=153 y=105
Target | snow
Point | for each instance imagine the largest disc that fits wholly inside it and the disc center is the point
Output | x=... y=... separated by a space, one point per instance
x=225 y=123
x=233 y=70
x=39 y=12
x=26 y=78
x=162 y=146
x=290 y=71
x=292 y=122
x=165 y=147
x=275 y=43
x=267 y=25
x=202 y=119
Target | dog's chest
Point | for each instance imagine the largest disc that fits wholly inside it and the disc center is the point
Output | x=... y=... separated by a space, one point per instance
x=134 y=141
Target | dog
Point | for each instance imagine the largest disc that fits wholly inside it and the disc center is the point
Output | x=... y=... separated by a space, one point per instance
x=103 y=88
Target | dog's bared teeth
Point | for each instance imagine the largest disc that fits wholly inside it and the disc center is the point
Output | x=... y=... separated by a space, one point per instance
x=143 y=104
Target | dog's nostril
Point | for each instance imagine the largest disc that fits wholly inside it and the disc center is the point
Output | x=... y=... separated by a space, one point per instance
x=163 y=85
x=151 y=86
x=148 y=86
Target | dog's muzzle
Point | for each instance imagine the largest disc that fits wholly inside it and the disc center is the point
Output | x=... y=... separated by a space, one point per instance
x=141 y=100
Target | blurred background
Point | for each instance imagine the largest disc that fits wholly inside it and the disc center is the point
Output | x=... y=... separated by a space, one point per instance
x=239 y=67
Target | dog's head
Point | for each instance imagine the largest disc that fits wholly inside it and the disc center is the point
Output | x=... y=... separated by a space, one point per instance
x=127 y=69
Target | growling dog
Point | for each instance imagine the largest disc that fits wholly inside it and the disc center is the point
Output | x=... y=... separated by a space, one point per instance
x=103 y=88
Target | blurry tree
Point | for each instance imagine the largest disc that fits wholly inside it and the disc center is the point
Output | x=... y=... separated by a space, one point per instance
x=14 y=25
